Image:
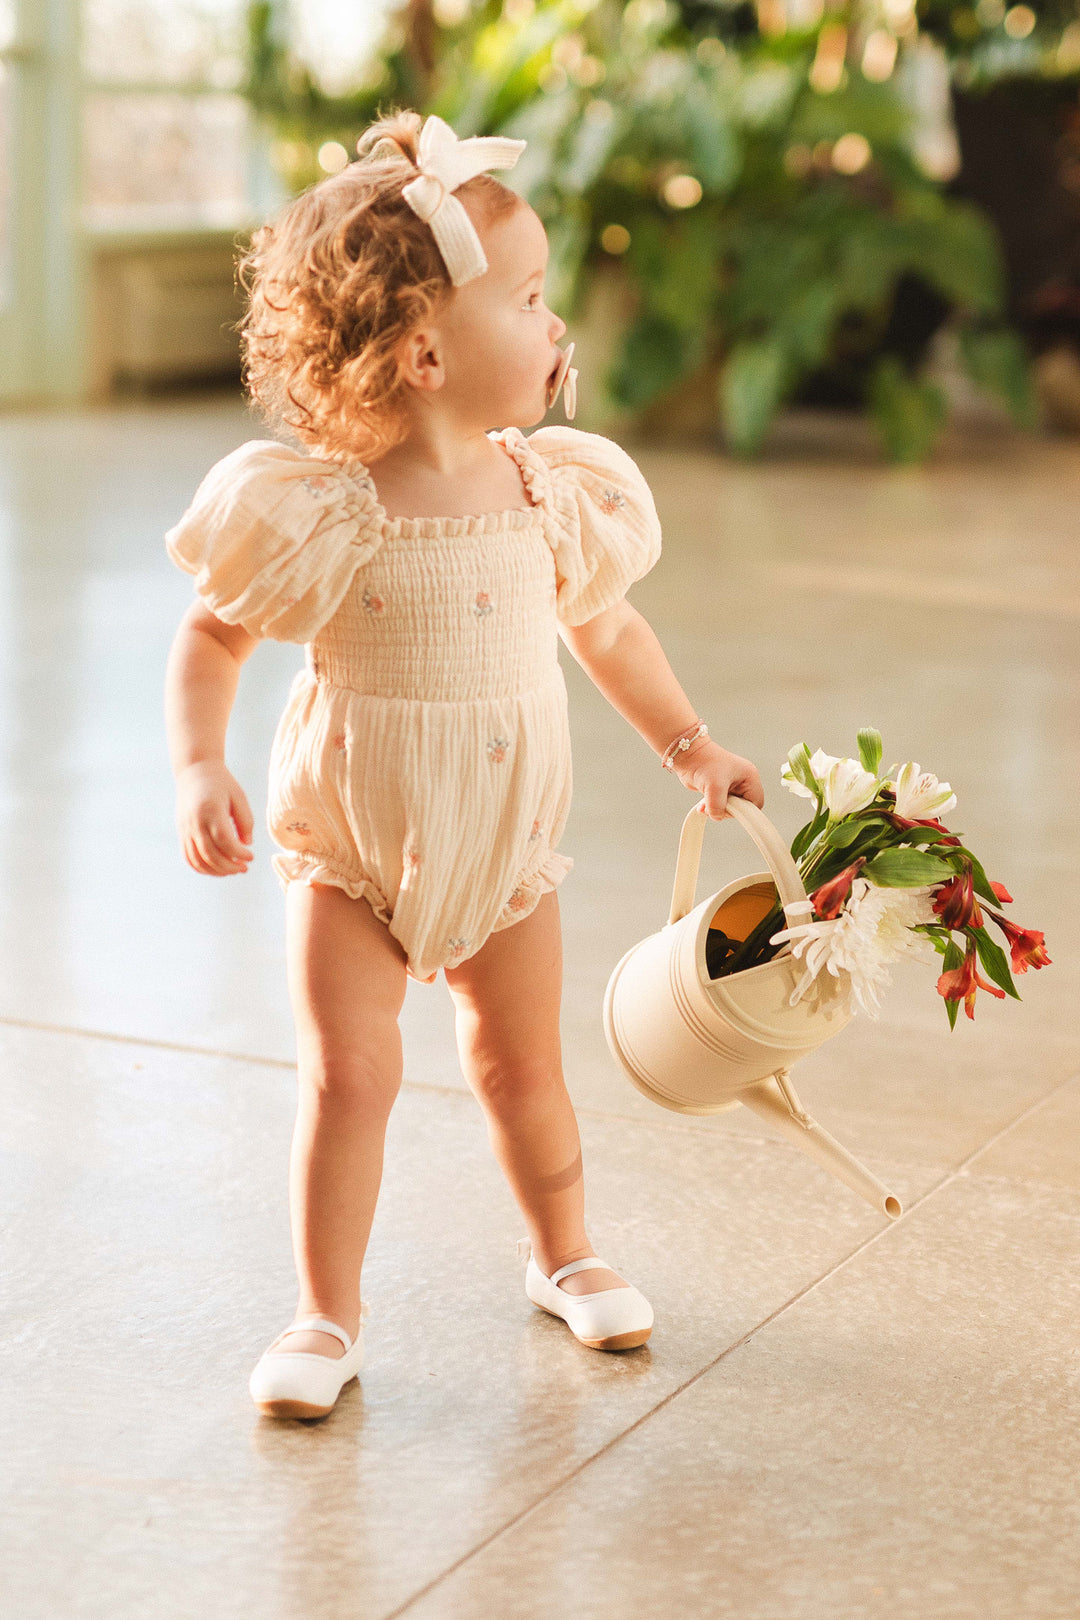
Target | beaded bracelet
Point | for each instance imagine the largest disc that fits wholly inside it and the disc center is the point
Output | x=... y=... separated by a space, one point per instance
x=680 y=745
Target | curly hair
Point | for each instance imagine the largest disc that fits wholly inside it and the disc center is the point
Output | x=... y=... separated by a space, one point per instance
x=335 y=282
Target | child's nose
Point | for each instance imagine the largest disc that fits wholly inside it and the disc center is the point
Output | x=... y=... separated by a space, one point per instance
x=559 y=328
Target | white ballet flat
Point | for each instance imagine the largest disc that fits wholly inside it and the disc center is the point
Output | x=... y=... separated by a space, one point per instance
x=301 y=1383
x=613 y=1319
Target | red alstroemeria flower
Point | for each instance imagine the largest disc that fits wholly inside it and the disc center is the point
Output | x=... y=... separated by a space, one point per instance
x=955 y=901
x=1028 y=945
x=904 y=823
x=829 y=899
x=1002 y=893
x=960 y=984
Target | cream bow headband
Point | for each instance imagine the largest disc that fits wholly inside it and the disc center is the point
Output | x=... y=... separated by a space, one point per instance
x=446 y=163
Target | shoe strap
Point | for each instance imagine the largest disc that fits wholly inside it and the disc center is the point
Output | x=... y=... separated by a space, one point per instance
x=593 y=1263
x=322 y=1324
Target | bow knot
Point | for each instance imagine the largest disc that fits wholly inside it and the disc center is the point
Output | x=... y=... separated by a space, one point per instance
x=425 y=195
x=445 y=163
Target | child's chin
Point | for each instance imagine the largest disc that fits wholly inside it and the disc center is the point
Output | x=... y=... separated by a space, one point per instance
x=527 y=419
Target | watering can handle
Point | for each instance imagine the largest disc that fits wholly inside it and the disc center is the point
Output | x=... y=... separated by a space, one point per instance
x=789 y=885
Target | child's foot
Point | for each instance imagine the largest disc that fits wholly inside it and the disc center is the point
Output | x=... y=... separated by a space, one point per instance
x=599 y=1307
x=295 y=1383
x=314 y=1342
x=587 y=1282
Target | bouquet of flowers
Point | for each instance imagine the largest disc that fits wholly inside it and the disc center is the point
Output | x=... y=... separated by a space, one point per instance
x=887 y=880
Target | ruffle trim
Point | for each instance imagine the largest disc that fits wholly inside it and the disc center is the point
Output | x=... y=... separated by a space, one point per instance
x=452 y=528
x=525 y=896
x=555 y=500
x=293 y=867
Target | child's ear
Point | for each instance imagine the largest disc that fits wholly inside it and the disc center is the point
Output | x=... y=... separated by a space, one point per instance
x=420 y=359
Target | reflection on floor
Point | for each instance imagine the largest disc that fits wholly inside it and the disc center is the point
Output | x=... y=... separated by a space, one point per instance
x=837 y=1415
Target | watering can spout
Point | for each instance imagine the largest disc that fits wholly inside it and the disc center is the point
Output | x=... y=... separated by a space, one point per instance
x=774 y=1101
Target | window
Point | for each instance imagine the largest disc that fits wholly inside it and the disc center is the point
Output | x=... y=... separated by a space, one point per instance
x=165 y=131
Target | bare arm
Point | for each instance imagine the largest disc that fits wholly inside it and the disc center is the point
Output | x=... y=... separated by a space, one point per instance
x=620 y=652
x=213 y=819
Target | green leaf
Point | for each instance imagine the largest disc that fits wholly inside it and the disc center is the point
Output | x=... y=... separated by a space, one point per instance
x=905 y=869
x=806 y=835
x=909 y=413
x=799 y=760
x=997 y=361
x=806 y=322
x=954 y=957
x=980 y=881
x=712 y=144
x=954 y=247
x=653 y=357
x=752 y=384
x=870 y=749
x=994 y=962
x=844 y=833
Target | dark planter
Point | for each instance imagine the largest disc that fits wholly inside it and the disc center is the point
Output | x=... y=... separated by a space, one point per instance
x=1020 y=149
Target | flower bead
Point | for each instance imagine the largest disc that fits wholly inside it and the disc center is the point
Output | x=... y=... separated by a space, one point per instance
x=536 y=831
x=497 y=749
x=483 y=605
x=373 y=602
x=319 y=483
x=519 y=900
x=340 y=741
x=457 y=947
x=299 y=827
x=611 y=500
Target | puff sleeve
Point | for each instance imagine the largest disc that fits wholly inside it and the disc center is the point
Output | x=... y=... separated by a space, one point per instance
x=604 y=529
x=274 y=536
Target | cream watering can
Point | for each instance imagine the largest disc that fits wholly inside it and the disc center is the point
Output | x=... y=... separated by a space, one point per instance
x=699 y=1045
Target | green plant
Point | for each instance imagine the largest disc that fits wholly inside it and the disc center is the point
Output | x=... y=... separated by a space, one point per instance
x=763 y=189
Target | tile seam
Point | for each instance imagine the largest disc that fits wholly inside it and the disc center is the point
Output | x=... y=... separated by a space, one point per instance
x=646 y=1417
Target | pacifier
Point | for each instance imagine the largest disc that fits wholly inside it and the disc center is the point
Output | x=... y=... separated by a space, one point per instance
x=566 y=379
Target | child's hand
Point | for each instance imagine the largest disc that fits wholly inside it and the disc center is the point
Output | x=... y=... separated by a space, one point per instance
x=211 y=811
x=709 y=769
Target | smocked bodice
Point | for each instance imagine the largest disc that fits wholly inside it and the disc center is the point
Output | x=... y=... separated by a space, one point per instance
x=448 y=610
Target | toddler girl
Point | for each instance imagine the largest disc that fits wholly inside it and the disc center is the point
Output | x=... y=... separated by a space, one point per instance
x=420 y=776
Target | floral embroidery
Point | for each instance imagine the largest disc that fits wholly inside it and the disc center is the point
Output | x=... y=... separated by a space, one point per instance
x=373 y=602
x=519 y=900
x=411 y=862
x=319 y=483
x=497 y=747
x=611 y=500
x=300 y=827
x=458 y=947
x=483 y=605
x=340 y=741
x=536 y=831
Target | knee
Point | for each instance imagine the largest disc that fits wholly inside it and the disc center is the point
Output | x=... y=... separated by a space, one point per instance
x=356 y=1081
x=519 y=1088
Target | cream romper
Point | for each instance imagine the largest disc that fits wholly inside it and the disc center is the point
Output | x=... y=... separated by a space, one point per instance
x=423 y=757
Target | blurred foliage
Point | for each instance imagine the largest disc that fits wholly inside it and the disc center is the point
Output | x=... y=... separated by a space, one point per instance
x=765 y=176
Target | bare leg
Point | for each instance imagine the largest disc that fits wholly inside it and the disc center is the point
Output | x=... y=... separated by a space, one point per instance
x=346 y=976
x=506 y=1001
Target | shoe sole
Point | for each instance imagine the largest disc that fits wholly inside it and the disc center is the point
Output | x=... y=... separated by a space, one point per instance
x=617 y=1341
x=292 y=1409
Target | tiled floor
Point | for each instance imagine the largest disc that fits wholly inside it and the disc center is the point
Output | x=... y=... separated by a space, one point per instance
x=837 y=1416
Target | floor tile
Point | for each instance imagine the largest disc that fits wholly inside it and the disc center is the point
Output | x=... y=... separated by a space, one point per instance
x=896 y=1443
x=147 y=1265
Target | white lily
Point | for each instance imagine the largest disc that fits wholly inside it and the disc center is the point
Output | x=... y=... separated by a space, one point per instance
x=848 y=788
x=820 y=764
x=920 y=795
x=874 y=928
